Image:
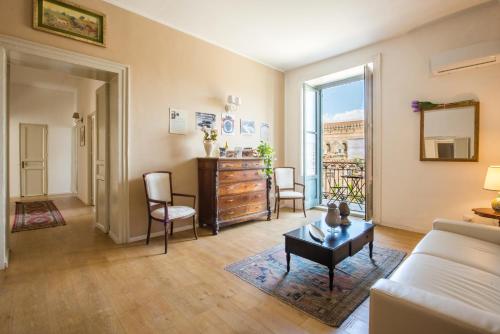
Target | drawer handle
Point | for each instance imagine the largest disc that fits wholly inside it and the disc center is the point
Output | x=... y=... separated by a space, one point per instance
x=230 y=200
x=244 y=165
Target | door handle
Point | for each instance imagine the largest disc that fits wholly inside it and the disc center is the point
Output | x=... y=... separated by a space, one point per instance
x=22 y=164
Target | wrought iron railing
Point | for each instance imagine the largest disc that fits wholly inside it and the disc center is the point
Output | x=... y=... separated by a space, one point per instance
x=344 y=180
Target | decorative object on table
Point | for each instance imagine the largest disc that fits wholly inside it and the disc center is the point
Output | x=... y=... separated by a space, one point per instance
x=264 y=132
x=233 y=103
x=345 y=211
x=178 y=122
x=285 y=188
x=205 y=120
x=249 y=152
x=332 y=217
x=230 y=154
x=247 y=127
x=306 y=288
x=231 y=191
x=209 y=139
x=492 y=182
x=239 y=152
x=316 y=232
x=441 y=139
x=67 y=19
x=222 y=152
x=35 y=215
x=81 y=129
x=266 y=152
x=228 y=124
x=488 y=213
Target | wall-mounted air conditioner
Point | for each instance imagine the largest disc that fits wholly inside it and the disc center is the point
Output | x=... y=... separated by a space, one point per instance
x=473 y=56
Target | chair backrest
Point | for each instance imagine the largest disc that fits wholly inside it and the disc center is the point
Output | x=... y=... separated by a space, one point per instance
x=158 y=186
x=284 y=177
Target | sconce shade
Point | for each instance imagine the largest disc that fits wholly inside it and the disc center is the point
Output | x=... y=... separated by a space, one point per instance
x=233 y=99
x=492 y=181
x=76 y=116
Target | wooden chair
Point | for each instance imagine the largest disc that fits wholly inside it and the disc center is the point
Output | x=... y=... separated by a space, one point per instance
x=284 y=188
x=160 y=203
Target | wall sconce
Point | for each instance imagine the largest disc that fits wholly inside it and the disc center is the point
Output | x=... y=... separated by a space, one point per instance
x=76 y=118
x=233 y=102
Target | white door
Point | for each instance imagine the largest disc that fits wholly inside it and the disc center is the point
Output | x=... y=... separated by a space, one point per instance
x=312 y=147
x=92 y=150
x=101 y=157
x=33 y=159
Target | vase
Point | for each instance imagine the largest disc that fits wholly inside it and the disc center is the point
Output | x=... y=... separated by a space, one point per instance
x=209 y=147
x=332 y=218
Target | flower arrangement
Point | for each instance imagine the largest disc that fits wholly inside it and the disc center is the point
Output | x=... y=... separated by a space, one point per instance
x=209 y=134
x=423 y=105
x=266 y=152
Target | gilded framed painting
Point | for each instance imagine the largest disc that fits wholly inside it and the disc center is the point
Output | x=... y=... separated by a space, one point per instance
x=69 y=20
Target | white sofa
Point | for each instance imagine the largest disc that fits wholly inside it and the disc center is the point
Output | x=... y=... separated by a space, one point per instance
x=449 y=284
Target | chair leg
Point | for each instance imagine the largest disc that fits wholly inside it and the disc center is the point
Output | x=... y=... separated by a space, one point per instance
x=293 y=205
x=304 y=207
x=166 y=236
x=278 y=210
x=171 y=227
x=275 y=202
x=194 y=228
x=149 y=230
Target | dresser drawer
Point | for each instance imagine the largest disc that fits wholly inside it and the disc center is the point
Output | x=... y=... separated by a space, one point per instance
x=242 y=211
x=240 y=175
x=358 y=243
x=241 y=187
x=231 y=201
x=240 y=164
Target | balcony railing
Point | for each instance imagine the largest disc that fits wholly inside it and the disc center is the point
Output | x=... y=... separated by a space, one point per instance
x=344 y=180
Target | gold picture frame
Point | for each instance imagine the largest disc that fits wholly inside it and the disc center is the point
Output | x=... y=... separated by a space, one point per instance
x=64 y=18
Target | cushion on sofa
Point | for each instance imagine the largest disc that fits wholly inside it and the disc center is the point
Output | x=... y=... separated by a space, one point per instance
x=447 y=278
x=462 y=249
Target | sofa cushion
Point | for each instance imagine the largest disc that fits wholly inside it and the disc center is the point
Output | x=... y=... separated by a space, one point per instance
x=462 y=249
x=447 y=278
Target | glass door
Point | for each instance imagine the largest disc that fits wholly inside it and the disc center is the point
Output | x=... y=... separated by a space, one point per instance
x=312 y=147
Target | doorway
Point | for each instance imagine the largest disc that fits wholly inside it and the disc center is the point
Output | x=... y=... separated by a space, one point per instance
x=33 y=159
x=15 y=51
x=338 y=140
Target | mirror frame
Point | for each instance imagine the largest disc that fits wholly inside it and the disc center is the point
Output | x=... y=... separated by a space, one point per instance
x=455 y=105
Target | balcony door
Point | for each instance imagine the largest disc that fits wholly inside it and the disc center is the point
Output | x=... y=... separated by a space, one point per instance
x=338 y=140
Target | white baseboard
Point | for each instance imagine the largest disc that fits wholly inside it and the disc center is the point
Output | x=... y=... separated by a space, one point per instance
x=160 y=233
x=405 y=227
x=114 y=237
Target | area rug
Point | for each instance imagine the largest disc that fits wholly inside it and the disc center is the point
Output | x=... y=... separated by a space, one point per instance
x=35 y=215
x=306 y=286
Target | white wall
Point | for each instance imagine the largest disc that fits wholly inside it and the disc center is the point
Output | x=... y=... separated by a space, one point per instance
x=413 y=193
x=30 y=104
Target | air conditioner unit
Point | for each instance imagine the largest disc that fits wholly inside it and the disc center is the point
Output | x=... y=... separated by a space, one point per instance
x=473 y=56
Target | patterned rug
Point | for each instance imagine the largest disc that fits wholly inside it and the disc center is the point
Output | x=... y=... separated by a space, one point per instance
x=306 y=286
x=35 y=215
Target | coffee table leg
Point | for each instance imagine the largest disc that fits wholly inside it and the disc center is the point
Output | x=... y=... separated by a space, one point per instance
x=330 y=274
x=288 y=262
x=371 y=249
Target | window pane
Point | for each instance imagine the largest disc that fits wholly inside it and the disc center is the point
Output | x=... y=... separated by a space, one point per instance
x=310 y=158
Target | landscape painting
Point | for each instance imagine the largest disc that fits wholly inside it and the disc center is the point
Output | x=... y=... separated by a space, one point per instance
x=69 y=20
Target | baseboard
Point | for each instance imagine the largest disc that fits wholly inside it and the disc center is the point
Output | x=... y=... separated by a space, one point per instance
x=160 y=233
x=114 y=237
x=101 y=227
x=405 y=227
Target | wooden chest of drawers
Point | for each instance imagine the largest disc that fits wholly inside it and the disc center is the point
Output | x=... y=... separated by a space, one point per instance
x=232 y=191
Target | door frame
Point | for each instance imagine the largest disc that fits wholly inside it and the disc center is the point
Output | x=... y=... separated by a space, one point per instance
x=12 y=48
x=46 y=165
x=90 y=158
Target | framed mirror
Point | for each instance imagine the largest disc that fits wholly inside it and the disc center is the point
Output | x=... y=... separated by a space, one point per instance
x=450 y=132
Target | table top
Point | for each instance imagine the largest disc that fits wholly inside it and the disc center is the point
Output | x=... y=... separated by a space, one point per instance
x=487 y=212
x=332 y=241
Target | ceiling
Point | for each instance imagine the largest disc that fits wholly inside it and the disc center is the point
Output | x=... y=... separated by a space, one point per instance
x=286 y=34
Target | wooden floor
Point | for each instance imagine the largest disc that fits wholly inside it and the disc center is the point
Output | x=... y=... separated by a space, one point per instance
x=74 y=279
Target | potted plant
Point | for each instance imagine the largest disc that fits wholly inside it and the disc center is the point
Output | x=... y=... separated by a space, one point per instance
x=209 y=139
x=266 y=152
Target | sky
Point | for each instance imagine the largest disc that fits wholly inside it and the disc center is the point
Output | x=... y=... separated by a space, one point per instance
x=343 y=103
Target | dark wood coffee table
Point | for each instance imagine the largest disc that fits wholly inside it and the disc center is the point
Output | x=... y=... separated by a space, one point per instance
x=335 y=248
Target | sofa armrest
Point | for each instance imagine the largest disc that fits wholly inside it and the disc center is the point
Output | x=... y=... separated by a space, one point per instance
x=477 y=231
x=396 y=308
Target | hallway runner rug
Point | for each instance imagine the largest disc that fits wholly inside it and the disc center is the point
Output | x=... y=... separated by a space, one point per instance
x=35 y=215
x=306 y=287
